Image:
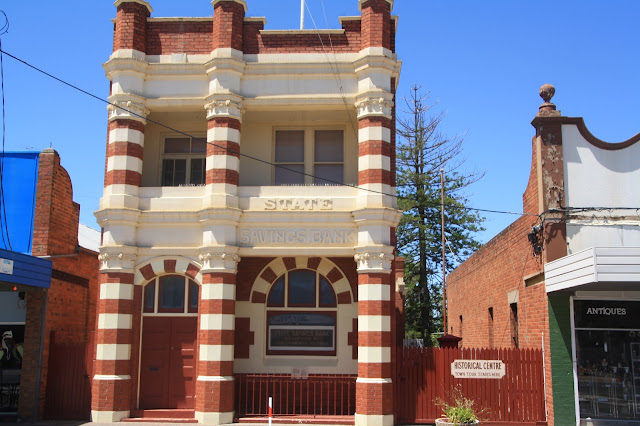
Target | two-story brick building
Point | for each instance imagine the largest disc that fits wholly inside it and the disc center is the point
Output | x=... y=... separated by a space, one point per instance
x=249 y=215
x=565 y=276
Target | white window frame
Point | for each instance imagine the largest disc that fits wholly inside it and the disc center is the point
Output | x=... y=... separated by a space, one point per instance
x=182 y=156
x=309 y=153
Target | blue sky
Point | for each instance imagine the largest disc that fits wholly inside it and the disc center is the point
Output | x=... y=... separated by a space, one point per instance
x=482 y=61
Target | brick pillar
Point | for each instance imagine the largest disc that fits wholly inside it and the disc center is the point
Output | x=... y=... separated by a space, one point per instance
x=123 y=175
x=374 y=387
x=376 y=23
x=112 y=384
x=223 y=160
x=130 y=31
x=228 y=20
x=215 y=383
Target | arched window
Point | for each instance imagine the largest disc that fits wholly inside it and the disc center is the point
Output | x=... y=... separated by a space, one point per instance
x=301 y=315
x=171 y=294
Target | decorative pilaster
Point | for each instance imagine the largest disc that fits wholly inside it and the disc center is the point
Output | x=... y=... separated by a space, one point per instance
x=123 y=176
x=374 y=387
x=111 y=389
x=223 y=152
x=374 y=150
x=215 y=383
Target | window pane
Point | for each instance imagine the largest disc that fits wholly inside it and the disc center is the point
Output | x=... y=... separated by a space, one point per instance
x=179 y=172
x=287 y=177
x=197 y=171
x=199 y=145
x=172 y=292
x=167 y=173
x=327 y=295
x=289 y=146
x=302 y=288
x=328 y=146
x=332 y=172
x=176 y=145
x=193 y=296
x=149 y=297
x=276 y=295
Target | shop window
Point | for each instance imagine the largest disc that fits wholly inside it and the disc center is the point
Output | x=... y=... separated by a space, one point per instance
x=301 y=315
x=171 y=294
x=309 y=157
x=183 y=161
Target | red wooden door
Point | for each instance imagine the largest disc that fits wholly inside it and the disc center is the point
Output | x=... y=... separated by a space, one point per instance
x=167 y=369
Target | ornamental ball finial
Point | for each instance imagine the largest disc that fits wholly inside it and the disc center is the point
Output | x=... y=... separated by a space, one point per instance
x=546 y=92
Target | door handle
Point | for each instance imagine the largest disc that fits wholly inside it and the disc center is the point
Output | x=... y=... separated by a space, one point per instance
x=154 y=368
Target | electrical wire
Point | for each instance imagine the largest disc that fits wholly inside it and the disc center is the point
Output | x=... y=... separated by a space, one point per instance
x=3 y=223
x=434 y=204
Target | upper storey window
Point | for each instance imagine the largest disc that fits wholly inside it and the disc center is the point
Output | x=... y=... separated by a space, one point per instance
x=183 y=161
x=319 y=154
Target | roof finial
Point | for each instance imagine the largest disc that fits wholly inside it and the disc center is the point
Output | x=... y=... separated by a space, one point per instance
x=547 y=108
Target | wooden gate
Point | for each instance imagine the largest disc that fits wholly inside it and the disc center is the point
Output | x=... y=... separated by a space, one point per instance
x=424 y=377
x=68 y=395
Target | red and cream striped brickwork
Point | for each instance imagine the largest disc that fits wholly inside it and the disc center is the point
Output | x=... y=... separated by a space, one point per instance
x=374 y=387
x=124 y=151
x=223 y=158
x=215 y=383
x=111 y=393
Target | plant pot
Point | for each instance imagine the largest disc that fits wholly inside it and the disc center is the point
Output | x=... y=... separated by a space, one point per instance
x=445 y=422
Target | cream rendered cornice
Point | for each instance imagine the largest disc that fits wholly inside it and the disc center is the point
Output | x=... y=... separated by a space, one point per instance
x=383 y=216
x=302 y=217
x=218 y=215
x=241 y=2
x=107 y=216
x=338 y=31
x=142 y=2
x=361 y=2
x=126 y=60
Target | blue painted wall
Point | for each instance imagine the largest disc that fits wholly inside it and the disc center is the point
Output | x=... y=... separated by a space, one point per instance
x=18 y=180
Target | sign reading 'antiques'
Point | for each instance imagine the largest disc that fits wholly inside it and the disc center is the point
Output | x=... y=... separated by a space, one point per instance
x=310 y=338
x=477 y=369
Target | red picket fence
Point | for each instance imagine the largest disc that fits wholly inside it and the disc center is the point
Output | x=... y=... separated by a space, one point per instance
x=316 y=394
x=424 y=377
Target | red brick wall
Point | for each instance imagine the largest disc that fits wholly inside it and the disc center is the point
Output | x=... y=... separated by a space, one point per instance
x=192 y=37
x=484 y=281
x=72 y=297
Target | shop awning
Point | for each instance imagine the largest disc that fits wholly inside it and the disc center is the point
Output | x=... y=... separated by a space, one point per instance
x=596 y=268
x=18 y=268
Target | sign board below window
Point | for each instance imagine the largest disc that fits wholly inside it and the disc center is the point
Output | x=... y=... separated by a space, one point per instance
x=301 y=339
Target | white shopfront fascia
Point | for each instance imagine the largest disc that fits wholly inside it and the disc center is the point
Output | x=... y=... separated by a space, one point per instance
x=595 y=268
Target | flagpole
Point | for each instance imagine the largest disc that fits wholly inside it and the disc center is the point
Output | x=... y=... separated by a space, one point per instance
x=302 y=14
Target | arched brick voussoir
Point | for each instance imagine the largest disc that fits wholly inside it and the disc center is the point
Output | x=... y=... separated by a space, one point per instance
x=164 y=265
x=278 y=267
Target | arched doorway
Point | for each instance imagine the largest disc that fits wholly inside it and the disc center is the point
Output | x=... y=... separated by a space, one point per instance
x=169 y=337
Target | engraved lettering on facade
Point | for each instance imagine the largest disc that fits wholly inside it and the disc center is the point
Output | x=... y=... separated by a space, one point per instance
x=298 y=204
x=302 y=237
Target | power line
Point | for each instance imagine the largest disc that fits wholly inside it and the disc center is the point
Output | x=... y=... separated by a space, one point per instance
x=435 y=204
x=3 y=223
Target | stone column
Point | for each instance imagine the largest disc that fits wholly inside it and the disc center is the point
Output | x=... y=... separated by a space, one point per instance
x=215 y=391
x=374 y=387
x=112 y=383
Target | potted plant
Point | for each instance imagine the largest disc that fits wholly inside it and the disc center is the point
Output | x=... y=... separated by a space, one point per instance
x=460 y=411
